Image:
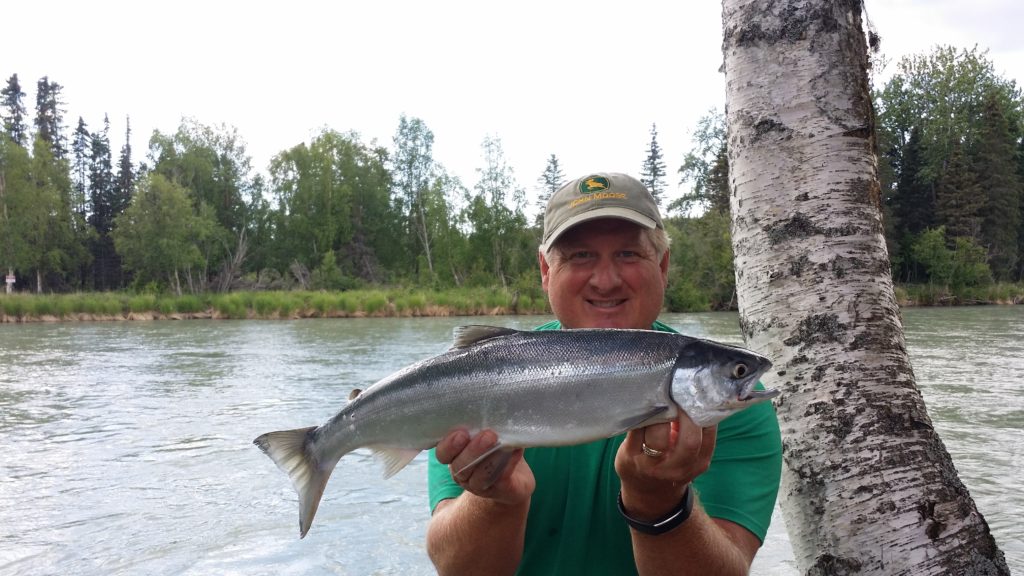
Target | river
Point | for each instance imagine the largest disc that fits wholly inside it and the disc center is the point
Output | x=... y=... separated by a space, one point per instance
x=127 y=446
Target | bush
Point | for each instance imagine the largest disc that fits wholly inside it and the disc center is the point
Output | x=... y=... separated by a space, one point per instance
x=963 y=265
x=375 y=302
x=685 y=297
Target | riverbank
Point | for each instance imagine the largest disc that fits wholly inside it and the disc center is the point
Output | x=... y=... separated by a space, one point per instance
x=377 y=303
x=908 y=295
x=116 y=306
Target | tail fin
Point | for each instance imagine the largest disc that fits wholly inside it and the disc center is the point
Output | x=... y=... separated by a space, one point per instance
x=289 y=449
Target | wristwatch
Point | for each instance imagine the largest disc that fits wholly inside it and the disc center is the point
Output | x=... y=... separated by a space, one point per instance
x=674 y=518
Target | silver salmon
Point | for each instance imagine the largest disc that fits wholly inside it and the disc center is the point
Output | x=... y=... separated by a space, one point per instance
x=532 y=388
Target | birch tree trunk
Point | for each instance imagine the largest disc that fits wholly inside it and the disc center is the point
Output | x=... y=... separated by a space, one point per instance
x=868 y=487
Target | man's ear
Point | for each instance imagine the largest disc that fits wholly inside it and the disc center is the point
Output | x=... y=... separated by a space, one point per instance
x=544 y=270
x=664 y=268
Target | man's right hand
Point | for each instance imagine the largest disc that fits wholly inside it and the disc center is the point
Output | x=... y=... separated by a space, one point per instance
x=483 y=530
x=503 y=477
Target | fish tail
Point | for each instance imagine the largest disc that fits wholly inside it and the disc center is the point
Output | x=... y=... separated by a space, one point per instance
x=291 y=451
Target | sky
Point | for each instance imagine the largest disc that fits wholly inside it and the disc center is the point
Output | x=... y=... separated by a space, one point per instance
x=582 y=80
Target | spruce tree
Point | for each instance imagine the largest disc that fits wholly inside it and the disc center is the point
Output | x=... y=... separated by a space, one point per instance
x=705 y=169
x=653 y=173
x=14 y=112
x=912 y=206
x=1020 y=230
x=125 y=179
x=80 y=154
x=550 y=181
x=959 y=199
x=995 y=159
x=914 y=202
x=106 y=265
x=49 y=119
x=101 y=180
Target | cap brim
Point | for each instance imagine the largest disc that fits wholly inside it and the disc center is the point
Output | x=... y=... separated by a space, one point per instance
x=609 y=212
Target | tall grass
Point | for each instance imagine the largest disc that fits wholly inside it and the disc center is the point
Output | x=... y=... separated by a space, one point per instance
x=938 y=295
x=289 y=304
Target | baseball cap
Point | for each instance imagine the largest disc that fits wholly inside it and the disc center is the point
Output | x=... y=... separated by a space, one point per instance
x=600 y=195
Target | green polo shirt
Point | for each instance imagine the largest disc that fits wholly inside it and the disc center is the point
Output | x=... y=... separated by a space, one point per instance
x=574 y=526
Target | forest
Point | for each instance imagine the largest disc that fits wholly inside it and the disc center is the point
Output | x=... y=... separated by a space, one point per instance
x=338 y=214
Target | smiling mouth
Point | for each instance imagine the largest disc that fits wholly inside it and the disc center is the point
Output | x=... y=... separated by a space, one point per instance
x=605 y=303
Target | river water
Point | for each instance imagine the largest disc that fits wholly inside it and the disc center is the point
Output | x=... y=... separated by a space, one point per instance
x=125 y=448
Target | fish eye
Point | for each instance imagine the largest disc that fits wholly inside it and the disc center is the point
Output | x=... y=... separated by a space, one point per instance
x=739 y=370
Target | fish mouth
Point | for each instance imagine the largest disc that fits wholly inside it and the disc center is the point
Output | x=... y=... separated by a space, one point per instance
x=752 y=395
x=747 y=394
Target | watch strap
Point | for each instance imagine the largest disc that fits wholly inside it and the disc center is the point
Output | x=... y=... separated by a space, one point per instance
x=674 y=518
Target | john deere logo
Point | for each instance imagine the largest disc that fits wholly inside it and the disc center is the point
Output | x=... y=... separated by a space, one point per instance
x=594 y=184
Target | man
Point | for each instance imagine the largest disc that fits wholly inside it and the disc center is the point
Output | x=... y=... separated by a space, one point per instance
x=622 y=505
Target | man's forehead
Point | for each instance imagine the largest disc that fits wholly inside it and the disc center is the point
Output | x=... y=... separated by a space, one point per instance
x=602 y=229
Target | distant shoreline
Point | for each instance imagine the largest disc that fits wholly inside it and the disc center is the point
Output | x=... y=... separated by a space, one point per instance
x=401 y=303
x=393 y=303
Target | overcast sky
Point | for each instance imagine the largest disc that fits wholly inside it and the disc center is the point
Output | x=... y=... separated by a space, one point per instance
x=582 y=80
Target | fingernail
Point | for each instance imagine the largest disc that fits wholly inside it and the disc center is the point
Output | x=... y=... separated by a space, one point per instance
x=460 y=441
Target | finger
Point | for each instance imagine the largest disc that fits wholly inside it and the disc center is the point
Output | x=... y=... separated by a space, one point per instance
x=477 y=446
x=689 y=439
x=633 y=444
x=658 y=437
x=495 y=467
x=451 y=445
x=707 y=446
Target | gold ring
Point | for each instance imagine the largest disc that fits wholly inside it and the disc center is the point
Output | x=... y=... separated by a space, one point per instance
x=651 y=451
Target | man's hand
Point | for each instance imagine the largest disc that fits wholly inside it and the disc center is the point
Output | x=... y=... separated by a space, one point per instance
x=653 y=485
x=503 y=477
x=482 y=531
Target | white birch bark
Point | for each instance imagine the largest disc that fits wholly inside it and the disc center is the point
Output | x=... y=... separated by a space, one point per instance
x=868 y=487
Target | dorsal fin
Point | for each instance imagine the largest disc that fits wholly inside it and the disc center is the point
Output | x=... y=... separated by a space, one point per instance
x=354 y=394
x=466 y=336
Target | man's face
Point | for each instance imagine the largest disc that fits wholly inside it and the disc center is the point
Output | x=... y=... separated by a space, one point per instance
x=605 y=274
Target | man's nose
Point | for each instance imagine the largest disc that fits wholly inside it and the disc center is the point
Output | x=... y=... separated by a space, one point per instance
x=605 y=275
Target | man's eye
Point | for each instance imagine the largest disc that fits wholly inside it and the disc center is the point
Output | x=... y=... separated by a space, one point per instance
x=579 y=255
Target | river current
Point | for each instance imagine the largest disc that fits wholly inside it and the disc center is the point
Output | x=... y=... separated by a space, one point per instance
x=126 y=447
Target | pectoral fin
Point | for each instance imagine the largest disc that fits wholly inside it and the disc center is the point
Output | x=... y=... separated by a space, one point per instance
x=480 y=458
x=636 y=421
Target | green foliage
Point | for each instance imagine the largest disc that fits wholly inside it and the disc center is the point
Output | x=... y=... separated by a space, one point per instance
x=963 y=265
x=413 y=170
x=701 y=275
x=500 y=245
x=706 y=168
x=14 y=123
x=142 y=303
x=937 y=295
x=995 y=163
x=160 y=234
x=230 y=305
x=685 y=297
x=38 y=230
x=374 y=303
x=949 y=129
x=49 y=119
x=550 y=181
x=333 y=197
x=652 y=174
x=327 y=276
